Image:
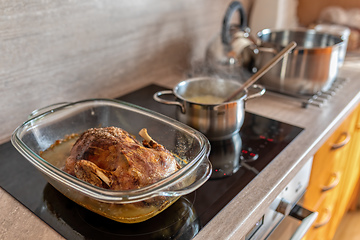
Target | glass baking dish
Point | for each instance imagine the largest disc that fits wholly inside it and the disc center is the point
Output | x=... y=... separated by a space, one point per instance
x=43 y=129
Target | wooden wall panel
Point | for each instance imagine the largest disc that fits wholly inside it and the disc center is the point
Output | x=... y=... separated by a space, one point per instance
x=309 y=10
x=55 y=51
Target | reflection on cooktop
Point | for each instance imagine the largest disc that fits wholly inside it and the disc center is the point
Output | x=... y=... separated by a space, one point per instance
x=236 y=161
x=225 y=155
x=179 y=221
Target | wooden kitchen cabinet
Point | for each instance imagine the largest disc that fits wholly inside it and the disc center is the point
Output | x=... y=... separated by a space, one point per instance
x=334 y=178
x=308 y=10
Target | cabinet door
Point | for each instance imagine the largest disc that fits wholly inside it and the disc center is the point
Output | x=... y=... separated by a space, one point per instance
x=350 y=172
x=355 y=154
x=331 y=171
x=327 y=167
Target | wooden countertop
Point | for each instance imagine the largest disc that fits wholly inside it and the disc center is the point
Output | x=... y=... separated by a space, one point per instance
x=237 y=218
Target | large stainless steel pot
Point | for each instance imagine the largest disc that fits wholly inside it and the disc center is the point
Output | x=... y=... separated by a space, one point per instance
x=216 y=120
x=311 y=67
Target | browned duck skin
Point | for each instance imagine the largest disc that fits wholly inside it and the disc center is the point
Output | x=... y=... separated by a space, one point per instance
x=112 y=158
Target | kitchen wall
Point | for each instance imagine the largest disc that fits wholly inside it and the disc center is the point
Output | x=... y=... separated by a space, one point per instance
x=56 y=51
x=65 y=50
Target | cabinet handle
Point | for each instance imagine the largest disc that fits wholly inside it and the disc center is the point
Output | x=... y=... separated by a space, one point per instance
x=327 y=219
x=343 y=143
x=334 y=183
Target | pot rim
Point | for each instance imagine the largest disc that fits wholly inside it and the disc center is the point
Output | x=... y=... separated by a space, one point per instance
x=176 y=88
x=339 y=41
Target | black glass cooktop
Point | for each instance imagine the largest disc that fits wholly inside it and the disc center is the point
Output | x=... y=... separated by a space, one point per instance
x=236 y=161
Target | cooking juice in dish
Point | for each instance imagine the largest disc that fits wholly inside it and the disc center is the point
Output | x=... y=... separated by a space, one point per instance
x=57 y=153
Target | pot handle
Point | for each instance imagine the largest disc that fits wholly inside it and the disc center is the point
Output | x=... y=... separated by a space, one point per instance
x=233 y=7
x=201 y=177
x=267 y=50
x=157 y=97
x=39 y=111
x=261 y=91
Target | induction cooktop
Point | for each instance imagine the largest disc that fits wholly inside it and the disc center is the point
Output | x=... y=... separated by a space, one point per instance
x=236 y=162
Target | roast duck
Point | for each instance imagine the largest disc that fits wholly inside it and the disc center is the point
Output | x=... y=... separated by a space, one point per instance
x=112 y=158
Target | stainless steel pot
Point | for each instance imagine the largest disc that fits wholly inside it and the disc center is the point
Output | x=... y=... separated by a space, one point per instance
x=216 y=120
x=311 y=67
